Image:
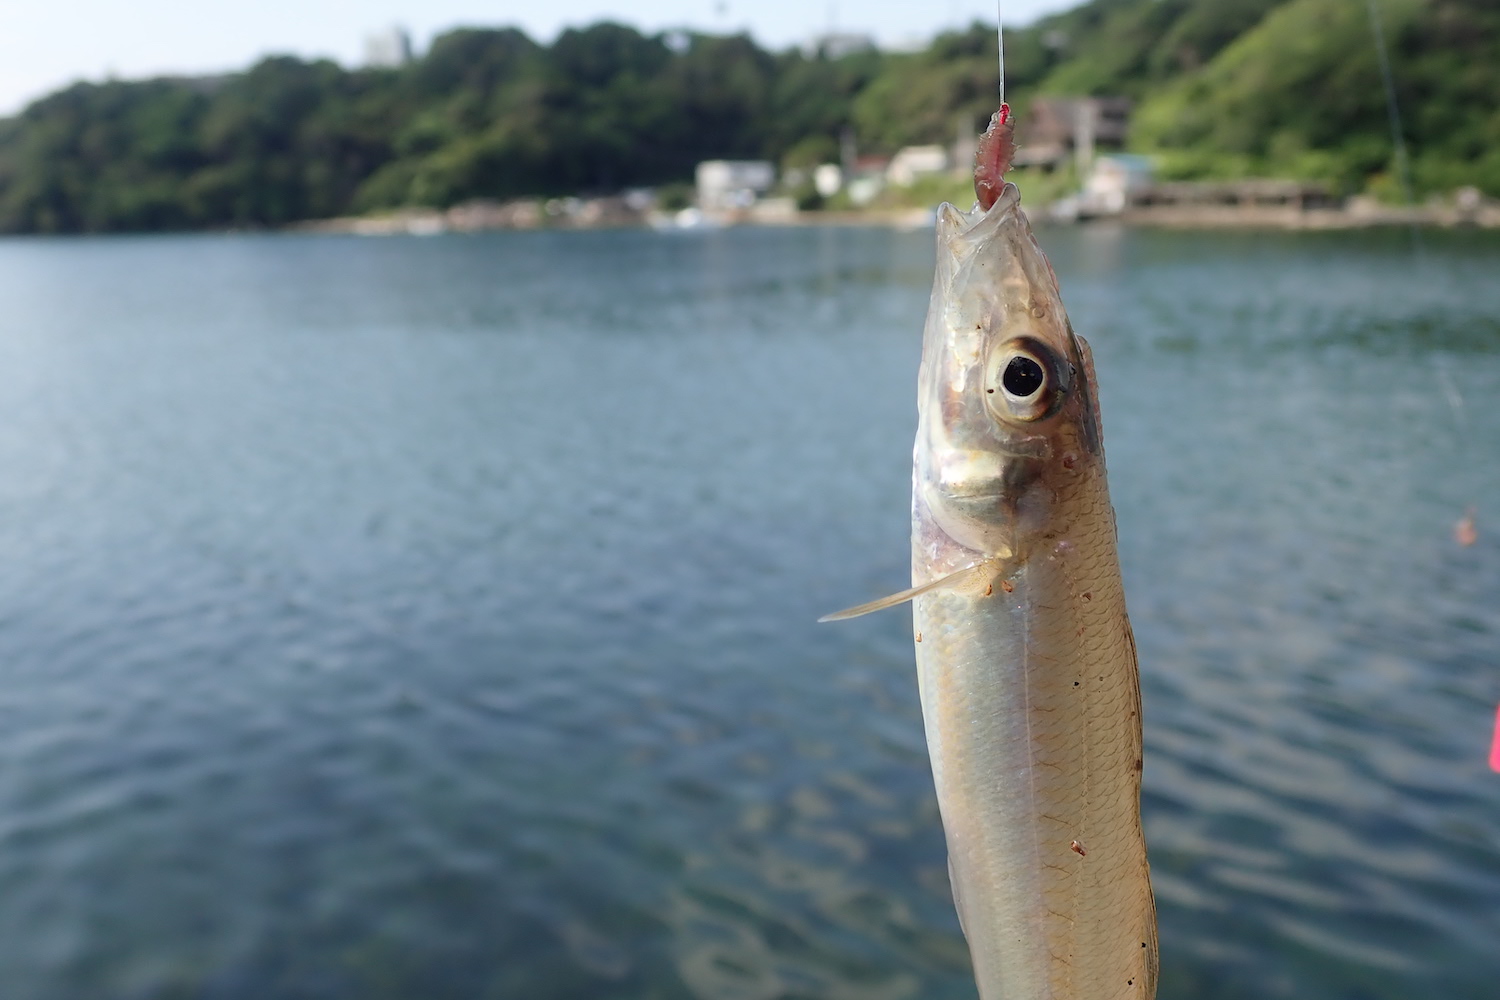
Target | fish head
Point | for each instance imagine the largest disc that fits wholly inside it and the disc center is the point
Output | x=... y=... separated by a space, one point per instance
x=1005 y=395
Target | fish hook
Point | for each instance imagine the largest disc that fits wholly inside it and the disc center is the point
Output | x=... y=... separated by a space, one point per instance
x=998 y=144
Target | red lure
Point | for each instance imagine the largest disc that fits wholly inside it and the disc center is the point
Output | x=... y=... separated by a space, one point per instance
x=992 y=159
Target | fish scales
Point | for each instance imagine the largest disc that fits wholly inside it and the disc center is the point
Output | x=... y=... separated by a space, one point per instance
x=1026 y=663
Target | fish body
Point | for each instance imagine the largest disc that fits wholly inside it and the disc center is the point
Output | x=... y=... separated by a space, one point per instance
x=1026 y=662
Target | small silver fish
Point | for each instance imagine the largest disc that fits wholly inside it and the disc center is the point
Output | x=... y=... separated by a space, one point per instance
x=1025 y=658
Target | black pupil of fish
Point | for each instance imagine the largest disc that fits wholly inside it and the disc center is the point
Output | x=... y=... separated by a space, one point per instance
x=1023 y=377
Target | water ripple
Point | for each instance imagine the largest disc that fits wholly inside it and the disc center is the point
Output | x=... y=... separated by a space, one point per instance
x=393 y=618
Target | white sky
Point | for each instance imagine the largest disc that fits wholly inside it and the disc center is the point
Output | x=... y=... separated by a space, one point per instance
x=46 y=44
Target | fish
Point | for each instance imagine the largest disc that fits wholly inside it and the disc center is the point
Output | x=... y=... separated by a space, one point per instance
x=1026 y=662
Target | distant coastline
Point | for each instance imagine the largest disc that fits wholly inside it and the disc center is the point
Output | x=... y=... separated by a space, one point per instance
x=1358 y=214
x=1167 y=93
x=613 y=213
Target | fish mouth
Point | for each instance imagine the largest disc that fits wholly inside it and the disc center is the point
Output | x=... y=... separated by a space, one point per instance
x=954 y=223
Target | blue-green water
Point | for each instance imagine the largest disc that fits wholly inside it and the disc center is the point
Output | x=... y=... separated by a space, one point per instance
x=434 y=618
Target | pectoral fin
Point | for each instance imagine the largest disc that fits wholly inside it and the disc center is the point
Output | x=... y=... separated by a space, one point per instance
x=955 y=579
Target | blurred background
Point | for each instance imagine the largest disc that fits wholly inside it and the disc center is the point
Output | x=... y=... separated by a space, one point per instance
x=426 y=445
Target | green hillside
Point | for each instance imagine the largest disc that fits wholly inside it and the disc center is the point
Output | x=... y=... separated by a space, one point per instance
x=1129 y=46
x=1301 y=95
x=1285 y=88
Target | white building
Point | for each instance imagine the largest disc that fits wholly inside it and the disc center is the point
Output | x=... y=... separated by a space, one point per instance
x=388 y=48
x=828 y=178
x=727 y=185
x=916 y=161
x=1114 y=180
x=864 y=189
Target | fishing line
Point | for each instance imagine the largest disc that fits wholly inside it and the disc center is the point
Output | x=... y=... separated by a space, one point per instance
x=1403 y=175
x=1464 y=532
x=1455 y=398
x=1393 y=112
x=1000 y=38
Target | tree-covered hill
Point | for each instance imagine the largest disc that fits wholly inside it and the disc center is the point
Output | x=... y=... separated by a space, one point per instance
x=1225 y=87
x=1301 y=94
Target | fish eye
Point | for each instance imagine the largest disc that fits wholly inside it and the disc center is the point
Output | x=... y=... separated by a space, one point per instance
x=1023 y=377
x=1027 y=380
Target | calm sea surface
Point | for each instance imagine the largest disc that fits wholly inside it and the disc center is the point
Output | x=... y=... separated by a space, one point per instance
x=434 y=618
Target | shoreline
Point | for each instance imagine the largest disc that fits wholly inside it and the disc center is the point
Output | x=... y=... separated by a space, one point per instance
x=1358 y=214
